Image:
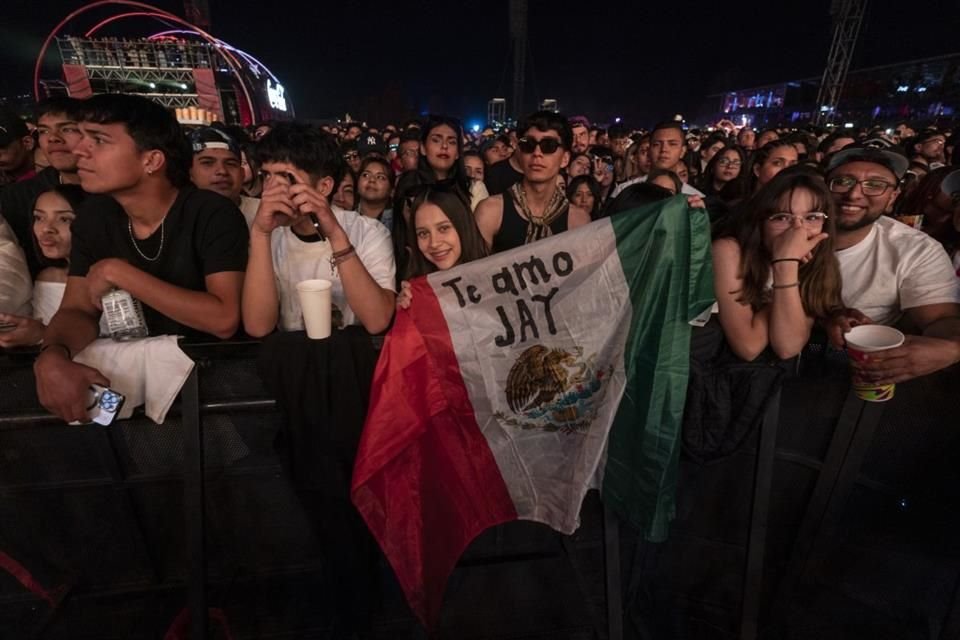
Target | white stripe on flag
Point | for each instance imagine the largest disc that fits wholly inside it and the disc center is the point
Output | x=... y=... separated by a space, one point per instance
x=550 y=450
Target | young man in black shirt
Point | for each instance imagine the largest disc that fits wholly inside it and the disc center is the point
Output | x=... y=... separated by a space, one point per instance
x=536 y=206
x=181 y=251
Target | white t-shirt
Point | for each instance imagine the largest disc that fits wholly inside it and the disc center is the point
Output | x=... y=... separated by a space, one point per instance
x=896 y=268
x=685 y=189
x=249 y=206
x=15 y=285
x=47 y=297
x=295 y=260
x=478 y=192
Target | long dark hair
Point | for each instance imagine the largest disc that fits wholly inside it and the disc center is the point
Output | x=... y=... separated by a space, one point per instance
x=820 y=277
x=458 y=175
x=760 y=156
x=705 y=182
x=74 y=196
x=594 y=187
x=671 y=175
x=472 y=245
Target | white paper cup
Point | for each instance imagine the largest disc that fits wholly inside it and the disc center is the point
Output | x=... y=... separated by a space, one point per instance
x=870 y=338
x=316 y=306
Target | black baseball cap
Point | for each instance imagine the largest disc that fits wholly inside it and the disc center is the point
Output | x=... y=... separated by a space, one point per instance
x=927 y=134
x=213 y=138
x=11 y=127
x=891 y=157
x=370 y=143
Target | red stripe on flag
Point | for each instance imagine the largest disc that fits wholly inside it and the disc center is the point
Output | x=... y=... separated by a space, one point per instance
x=425 y=479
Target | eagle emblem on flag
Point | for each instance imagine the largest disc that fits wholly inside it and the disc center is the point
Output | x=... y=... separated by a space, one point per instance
x=554 y=389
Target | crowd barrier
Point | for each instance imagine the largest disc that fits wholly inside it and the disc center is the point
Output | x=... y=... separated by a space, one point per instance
x=835 y=515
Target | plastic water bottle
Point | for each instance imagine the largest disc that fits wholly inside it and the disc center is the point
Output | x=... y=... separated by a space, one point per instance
x=124 y=316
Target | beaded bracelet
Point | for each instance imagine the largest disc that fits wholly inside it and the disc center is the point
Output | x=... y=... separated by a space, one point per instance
x=786 y=286
x=785 y=260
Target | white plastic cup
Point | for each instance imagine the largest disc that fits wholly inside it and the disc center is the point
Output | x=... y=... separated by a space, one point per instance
x=317 y=307
x=870 y=338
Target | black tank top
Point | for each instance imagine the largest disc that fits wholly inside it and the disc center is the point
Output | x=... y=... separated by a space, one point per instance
x=513 y=228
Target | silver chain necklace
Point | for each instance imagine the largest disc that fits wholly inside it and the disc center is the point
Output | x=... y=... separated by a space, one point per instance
x=134 y=241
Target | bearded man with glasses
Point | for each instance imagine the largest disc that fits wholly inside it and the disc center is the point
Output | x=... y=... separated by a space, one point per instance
x=536 y=207
x=892 y=274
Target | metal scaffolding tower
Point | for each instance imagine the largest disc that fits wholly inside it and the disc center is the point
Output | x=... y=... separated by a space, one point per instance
x=518 y=36
x=847 y=18
x=162 y=71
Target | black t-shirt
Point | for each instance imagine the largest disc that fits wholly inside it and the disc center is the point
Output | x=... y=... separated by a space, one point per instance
x=203 y=233
x=16 y=201
x=501 y=176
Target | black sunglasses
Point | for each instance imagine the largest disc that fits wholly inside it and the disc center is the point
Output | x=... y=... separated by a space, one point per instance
x=547 y=145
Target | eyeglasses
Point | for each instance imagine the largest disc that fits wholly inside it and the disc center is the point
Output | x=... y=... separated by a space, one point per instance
x=379 y=177
x=727 y=162
x=547 y=145
x=393 y=147
x=353 y=155
x=871 y=186
x=812 y=219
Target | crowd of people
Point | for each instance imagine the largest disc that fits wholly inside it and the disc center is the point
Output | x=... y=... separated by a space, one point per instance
x=211 y=229
x=810 y=226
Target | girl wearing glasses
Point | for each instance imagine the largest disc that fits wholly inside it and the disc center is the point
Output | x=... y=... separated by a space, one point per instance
x=725 y=167
x=442 y=234
x=774 y=266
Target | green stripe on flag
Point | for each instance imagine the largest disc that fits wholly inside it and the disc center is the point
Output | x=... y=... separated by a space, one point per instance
x=664 y=249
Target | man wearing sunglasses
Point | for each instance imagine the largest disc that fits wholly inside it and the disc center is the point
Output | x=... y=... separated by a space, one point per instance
x=536 y=207
x=891 y=272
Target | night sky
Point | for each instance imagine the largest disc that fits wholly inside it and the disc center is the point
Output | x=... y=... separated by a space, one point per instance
x=642 y=61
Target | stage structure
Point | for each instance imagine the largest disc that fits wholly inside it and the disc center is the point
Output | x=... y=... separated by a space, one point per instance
x=184 y=68
x=496 y=112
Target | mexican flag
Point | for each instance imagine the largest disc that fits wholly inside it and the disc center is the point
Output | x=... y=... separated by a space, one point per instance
x=516 y=383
